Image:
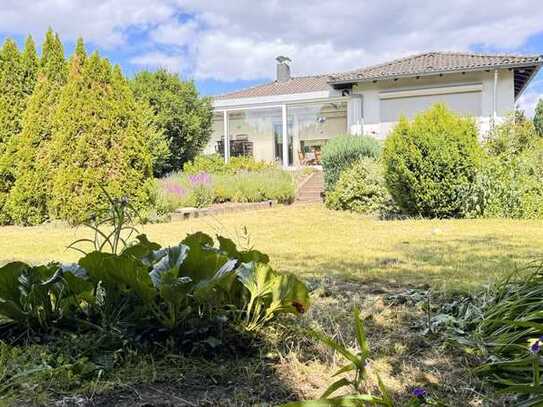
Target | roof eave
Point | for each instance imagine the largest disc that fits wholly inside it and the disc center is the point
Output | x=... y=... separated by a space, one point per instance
x=538 y=63
x=534 y=73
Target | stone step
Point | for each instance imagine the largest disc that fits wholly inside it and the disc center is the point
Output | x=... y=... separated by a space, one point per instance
x=311 y=191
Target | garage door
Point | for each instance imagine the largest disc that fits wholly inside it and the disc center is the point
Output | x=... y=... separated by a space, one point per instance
x=468 y=103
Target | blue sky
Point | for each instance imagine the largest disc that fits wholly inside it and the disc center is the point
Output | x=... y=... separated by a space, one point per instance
x=225 y=46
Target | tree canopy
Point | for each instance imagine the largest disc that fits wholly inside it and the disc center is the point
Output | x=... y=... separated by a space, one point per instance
x=72 y=127
x=183 y=116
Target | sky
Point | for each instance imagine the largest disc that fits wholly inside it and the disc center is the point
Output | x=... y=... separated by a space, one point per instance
x=225 y=45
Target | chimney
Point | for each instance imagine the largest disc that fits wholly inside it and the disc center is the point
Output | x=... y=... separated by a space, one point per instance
x=283 y=68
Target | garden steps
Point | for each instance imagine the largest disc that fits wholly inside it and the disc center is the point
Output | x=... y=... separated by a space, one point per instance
x=311 y=190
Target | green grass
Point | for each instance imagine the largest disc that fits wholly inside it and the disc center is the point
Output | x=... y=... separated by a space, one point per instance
x=350 y=260
x=313 y=242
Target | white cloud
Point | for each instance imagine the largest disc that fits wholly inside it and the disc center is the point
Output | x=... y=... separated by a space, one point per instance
x=528 y=101
x=103 y=22
x=175 y=33
x=238 y=39
x=150 y=60
x=331 y=35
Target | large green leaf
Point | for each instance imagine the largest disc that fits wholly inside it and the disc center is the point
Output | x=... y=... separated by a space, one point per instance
x=169 y=260
x=219 y=286
x=142 y=250
x=202 y=261
x=9 y=281
x=76 y=278
x=125 y=273
x=229 y=248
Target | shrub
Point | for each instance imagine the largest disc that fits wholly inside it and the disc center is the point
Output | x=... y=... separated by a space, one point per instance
x=271 y=184
x=342 y=151
x=202 y=189
x=509 y=183
x=515 y=135
x=214 y=164
x=508 y=186
x=360 y=188
x=431 y=162
x=538 y=117
x=180 y=113
x=211 y=163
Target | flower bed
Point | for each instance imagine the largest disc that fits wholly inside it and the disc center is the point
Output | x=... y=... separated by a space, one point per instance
x=203 y=189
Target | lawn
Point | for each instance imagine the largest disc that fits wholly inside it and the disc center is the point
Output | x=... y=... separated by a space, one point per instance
x=383 y=267
x=312 y=241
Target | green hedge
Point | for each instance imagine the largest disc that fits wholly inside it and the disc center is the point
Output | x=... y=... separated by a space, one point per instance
x=361 y=188
x=342 y=151
x=214 y=164
x=431 y=162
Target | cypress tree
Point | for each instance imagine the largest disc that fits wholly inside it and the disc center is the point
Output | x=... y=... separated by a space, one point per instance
x=26 y=203
x=98 y=140
x=538 y=117
x=30 y=64
x=11 y=108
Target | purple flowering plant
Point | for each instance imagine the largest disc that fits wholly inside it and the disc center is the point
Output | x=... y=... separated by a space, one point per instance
x=200 y=179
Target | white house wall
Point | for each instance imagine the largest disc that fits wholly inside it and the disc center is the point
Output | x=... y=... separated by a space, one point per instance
x=477 y=104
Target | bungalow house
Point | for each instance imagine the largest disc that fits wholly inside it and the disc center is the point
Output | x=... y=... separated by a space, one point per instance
x=289 y=119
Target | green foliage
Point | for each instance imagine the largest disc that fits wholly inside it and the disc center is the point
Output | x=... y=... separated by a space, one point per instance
x=27 y=201
x=98 y=140
x=145 y=287
x=509 y=184
x=361 y=188
x=179 y=112
x=257 y=186
x=514 y=136
x=214 y=164
x=430 y=162
x=202 y=189
x=538 y=117
x=11 y=108
x=357 y=365
x=341 y=152
x=504 y=324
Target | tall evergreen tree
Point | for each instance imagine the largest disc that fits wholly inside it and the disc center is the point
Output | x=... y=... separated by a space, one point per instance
x=11 y=108
x=26 y=203
x=30 y=64
x=98 y=140
x=538 y=117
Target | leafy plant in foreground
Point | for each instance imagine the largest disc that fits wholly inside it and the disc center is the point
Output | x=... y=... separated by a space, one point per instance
x=141 y=287
x=357 y=363
x=355 y=375
x=507 y=329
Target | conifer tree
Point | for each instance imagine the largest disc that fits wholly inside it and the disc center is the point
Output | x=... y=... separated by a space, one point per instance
x=98 y=140
x=11 y=107
x=30 y=64
x=538 y=117
x=27 y=199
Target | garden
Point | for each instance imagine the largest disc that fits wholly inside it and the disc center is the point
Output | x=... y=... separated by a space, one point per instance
x=418 y=283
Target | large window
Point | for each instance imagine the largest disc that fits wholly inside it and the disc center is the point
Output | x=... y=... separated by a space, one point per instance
x=258 y=132
x=311 y=125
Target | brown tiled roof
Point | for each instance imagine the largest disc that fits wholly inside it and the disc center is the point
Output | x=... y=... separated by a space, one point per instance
x=294 y=85
x=434 y=62
x=422 y=64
